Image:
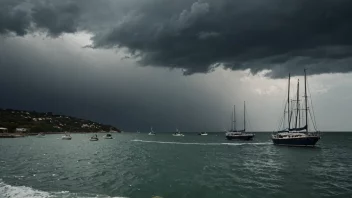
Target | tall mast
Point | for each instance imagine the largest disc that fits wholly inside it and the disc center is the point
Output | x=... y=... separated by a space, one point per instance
x=232 y=121
x=299 y=115
x=244 y=117
x=288 y=103
x=234 y=117
x=305 y=98
x=297 y=102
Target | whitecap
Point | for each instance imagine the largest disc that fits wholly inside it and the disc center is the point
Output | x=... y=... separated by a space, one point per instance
x=203 y=143
x=9 y=191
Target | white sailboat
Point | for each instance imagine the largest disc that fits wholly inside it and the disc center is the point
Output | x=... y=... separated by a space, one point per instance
x=151 y=131
x=67 y=136
x=108 y=136
x=94 y=138
x=40 y=135
x=178 y=133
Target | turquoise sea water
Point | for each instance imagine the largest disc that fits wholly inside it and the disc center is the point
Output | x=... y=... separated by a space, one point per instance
x=137 y=165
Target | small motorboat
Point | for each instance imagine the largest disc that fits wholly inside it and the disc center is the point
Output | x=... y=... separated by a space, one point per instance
x=178 y=133
x=108 y=136
x=40 y=135
x=66 y=137
x=203 y=133
x=94 y=138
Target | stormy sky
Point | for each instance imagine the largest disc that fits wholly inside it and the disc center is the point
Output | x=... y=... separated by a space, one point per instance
x=168 y=64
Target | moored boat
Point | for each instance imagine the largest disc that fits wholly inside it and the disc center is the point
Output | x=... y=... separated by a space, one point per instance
x=294 y=134
x=235 y=134
x=108 y=136
x=178 y=133
x=94 y=138
x=40 y=135
x=66 y=137
x=151 y=131
x=203 y=133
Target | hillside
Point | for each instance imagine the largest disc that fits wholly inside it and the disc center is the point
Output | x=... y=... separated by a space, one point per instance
x=33 y=122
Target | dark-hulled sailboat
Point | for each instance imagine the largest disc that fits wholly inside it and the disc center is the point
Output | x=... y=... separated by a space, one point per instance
x=295 y=134
x=235 y=134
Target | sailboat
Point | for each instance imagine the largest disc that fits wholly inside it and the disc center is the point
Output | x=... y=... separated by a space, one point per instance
x=151 y=131
x=295 y=134
x=94 y=138
x=40 y=135
x=67 y=136
x=234 y=134
x=178 y=133
x=108 y=136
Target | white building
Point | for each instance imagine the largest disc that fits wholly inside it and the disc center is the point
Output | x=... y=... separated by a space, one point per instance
x=21 y=130
x=3 y=130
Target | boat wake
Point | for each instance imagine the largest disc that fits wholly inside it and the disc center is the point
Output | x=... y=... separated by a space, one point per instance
x=205 y=144
x=8 y=191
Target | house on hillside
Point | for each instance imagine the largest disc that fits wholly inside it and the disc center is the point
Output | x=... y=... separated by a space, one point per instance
x=22 y=130
x=3 y=130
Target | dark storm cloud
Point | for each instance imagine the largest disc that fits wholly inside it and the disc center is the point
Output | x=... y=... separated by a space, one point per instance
x=57 y=19
x=199 y=35
x=68 y=80
x=13 y=19
x=272 y=34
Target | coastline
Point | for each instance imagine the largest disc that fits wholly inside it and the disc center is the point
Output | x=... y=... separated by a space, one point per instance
x=19 y=135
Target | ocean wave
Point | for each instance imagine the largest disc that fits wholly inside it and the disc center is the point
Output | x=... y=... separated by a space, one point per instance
x=9 y=191
x=203 y=143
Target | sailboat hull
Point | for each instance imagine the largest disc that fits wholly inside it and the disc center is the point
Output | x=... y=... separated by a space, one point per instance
x=240 y=137
x=304 y=141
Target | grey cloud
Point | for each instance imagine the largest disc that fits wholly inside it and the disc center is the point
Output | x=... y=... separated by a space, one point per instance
x=13 y=19
x=272 y=34
x=188 y=17
x=282 y=36
x=206 y=35
x=57 y=19
x=69 y=81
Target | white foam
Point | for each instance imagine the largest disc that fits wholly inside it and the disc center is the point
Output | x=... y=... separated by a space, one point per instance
x=8 y=191
x=247 y=143
x=203 y=143
x=187 y=143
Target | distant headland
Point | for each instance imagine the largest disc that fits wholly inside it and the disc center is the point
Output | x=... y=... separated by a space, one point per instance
x=19 y=121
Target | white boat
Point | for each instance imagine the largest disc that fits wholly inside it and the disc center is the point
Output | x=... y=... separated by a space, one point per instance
x=178 y=133
x=203 y=133
x=108 y=136
x=40 y=135
x=94 y=138
x=66 y=137
x=151 y=131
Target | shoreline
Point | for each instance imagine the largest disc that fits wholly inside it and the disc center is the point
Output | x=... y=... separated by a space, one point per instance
x=19 y=135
